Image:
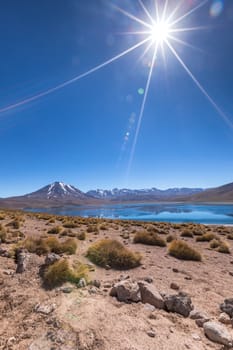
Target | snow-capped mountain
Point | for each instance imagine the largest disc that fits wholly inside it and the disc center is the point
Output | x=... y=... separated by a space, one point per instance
x=58 y=190
x=142 y=193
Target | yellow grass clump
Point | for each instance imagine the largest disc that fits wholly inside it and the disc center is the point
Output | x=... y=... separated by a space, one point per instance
x=113 y=253
x=61 y=272
x=149 y=238
x=181 y=250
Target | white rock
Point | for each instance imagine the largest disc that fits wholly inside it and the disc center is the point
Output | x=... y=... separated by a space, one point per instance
x=217 y=333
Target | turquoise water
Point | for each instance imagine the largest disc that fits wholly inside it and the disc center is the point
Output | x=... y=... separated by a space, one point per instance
x=173 y=212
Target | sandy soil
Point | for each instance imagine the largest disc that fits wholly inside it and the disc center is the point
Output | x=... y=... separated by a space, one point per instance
x=88 y=318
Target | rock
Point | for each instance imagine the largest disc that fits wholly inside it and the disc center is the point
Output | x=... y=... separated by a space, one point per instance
x=180 y=303
x=151 y=334
x=174 y=286
x=199 y=317
x=93 y=290
x=225 y=319
x=196 y=337
x=107 y=285
x=82 y=283
x=148 y=279
x=227 y=307
x=96 y=283
x=175 y=270
x=45 y=309
x=126 y=291
x=150 y=295
x=149 y=307
x=22 y=258
x=51 y=258
x=217 y=333
x=107 y=267
x=4 y=253
x=66 y=290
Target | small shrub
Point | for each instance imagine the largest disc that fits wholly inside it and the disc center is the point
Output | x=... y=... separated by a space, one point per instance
x=230 y=236
x=70 y=224
x=81 y=236
x=223 y=248
x=103 y=227
x=207 y=237
x=181 y=250
x=53 y=244
x=55 y=230
x=150 y=238
x=187 y=233
x=170 y=238
x=3 y=235
x=57 y=274
x=113 y=253
x=69 y=246
x=92 y=228
x=35 y=245
x=214 y=244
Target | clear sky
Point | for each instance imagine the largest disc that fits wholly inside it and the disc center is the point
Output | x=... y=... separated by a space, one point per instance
x=83 y=134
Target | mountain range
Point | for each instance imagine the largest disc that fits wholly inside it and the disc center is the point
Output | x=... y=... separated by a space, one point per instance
x=60 y=194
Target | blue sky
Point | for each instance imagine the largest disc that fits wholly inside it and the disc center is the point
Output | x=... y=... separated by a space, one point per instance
x=83 y=134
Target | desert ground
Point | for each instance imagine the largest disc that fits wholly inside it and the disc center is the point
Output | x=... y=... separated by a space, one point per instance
x=80 y=312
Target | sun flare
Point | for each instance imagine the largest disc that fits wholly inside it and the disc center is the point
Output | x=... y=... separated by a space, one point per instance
x=160 y=32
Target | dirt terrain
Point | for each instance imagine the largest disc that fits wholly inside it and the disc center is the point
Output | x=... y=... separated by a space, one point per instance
x=86 y=317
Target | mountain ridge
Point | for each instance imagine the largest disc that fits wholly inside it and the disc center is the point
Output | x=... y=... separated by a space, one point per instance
x=59 y=194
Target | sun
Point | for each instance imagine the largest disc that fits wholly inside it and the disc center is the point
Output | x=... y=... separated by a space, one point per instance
x=160 y=32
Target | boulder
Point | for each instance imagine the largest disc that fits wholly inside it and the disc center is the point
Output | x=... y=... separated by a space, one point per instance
x=150 y=295
x=180 y=303
x=218 y=333
x=4 y=253
x=227 y=307
x=51 y=258
x=22 y=259
x=126 y=291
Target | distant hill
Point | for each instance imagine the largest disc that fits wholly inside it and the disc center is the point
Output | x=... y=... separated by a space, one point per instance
x=218 y=194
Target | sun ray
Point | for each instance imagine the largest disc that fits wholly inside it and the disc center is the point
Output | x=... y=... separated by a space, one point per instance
x=129 y=15
x=164 y=11
x=73 y=80
x=145 y=51
x=146 y=12
x=142 y=110
x=189 y=12
x=178 y=30
x=172 y=14
x=185 y=43
x=201 y=88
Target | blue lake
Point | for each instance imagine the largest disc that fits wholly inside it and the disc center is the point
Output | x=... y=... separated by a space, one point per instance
x=169 y=212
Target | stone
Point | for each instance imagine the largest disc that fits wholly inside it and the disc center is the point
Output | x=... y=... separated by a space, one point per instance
x=22 y=258
x=126 y=291
x=196 y=337
x=217 y=333
x=51 y=258
x=82 y=283
x=148 y=279
x=174 y=286
x=66 y=290
x=149 y=307
x=180 y=303
x=150 y=295
x=224 y=318
x=4 y=253
x=45 y=309
x=151 y=334
x=96 y=283
x=175 y=270
x=227 y=307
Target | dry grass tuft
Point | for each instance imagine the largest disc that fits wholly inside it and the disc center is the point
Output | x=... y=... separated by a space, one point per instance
x=150 y=238
x=113 y=253
x=207 y=237
x=181 y=250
